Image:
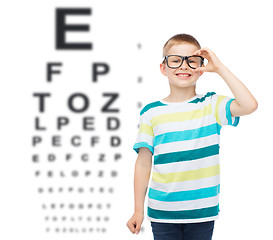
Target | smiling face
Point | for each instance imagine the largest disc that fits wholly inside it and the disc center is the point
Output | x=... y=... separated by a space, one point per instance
x=184 y=76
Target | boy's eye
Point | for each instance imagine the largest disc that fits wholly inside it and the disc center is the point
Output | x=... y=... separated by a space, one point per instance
x=175 y=59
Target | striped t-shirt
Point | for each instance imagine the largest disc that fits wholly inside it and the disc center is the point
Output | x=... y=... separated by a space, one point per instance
x=184 y=139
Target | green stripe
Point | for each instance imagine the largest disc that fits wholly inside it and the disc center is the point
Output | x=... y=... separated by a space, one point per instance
x=145 y=128
x=181 y=116
x=186 y=175
x=186 y=214
x=151 y=105
x=186 y=155
x=203 y=98
x=219 y=100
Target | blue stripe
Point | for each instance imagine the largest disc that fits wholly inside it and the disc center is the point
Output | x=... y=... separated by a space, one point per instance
x=142 y=144
x=186 y=135
x=237 y=119
x=186 y=214
x=184 y=195
x=229 y=116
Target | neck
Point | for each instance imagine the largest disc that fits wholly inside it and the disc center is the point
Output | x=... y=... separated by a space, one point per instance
x=180 y=94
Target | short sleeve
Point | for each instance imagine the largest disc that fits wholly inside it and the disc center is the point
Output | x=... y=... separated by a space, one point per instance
x=221 y=109
x=145 y=136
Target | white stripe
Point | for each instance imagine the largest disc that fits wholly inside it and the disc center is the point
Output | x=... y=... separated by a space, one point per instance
x=143 y=137
x=232 y=120
x=183 y=205
x=144 y=118
x=186 y=185
x=181 y=107
x=186 y=165
x=183 y=220
x=186 y=145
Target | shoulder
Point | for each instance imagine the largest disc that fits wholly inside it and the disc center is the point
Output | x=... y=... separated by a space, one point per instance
x=150 y=106
x=203 y=97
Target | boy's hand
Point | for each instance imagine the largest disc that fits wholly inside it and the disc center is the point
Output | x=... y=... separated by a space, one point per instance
x=134 y=223
x=213 y=64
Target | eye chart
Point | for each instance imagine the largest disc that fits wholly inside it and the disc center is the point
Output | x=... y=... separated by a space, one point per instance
x=75 y=75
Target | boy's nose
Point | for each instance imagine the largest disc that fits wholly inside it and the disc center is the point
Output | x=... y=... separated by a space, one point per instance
x=184 y=64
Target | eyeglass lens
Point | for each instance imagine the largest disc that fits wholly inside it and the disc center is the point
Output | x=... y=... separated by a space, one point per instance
x=175 y=61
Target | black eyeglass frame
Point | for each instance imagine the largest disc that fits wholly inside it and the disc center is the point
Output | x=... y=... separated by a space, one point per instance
x=183 y=58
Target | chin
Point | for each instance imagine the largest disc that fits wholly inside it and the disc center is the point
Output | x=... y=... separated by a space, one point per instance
x=183 y=83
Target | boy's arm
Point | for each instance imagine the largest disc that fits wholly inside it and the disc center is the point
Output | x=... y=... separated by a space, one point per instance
x=142 y=175
x=143 y=167
x=244 y=102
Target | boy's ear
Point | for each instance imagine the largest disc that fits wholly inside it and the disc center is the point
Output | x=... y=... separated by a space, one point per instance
x=163 y=69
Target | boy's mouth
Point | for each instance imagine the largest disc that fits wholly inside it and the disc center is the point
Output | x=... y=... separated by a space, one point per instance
x=183 y=75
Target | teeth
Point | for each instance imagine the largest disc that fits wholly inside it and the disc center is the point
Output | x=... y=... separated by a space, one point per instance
x=184 y=74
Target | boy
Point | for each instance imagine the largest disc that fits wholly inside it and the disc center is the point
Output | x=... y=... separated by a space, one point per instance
x=182 y=131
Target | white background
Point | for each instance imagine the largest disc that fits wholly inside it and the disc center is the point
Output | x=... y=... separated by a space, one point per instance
x=238 y=32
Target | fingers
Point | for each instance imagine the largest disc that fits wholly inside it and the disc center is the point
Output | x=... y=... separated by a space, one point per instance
x=134 y=226
x=200 y=69
x=213 y=62
x=138 y=226
x=131 y=226
x=204 y=52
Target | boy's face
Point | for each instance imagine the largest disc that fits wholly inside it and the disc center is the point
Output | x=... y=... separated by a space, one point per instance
x=175 y=75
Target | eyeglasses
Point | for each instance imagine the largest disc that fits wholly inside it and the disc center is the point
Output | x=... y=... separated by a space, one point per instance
x=175 y=61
